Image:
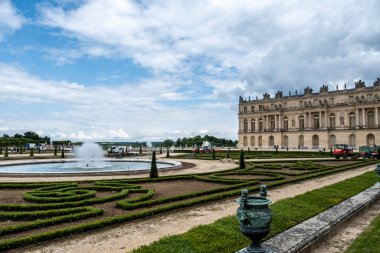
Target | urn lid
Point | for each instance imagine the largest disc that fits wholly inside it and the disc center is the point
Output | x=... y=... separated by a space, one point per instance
x=254 y=201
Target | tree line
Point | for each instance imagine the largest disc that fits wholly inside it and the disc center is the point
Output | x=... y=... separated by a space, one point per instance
x=22 y=139
x=198 y=141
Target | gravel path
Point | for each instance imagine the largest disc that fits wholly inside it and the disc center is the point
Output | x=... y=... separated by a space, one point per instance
x=124 y=238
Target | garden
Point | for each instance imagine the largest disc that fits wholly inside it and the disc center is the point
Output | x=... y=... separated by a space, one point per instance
x=35 y=212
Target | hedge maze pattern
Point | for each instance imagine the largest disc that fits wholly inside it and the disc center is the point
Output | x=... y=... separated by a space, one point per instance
x=36 y=212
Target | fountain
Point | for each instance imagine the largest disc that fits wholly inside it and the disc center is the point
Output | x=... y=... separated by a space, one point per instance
x=90 y=155
x=89 y=159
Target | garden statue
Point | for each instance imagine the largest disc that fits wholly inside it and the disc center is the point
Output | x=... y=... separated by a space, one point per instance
x=254 y=218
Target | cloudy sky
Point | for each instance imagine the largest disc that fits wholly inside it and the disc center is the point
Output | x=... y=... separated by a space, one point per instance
x=149 y=70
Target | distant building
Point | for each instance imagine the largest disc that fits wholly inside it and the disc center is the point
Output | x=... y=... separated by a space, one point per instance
x=312 y=120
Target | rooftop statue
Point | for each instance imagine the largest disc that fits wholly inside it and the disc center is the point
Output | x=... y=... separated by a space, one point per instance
x=324 y=88
x=279 y=94
x=359 y=84
x=266 y=95
x=377 y=82
x=308 y=91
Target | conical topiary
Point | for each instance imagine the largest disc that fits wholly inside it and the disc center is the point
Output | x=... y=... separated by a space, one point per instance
x=55 y=151
x=63 y=153
x=140 y=150
x=31 y=152
x=213 y=154
x=153 y=167
x=167 y=152
x=241 y=160
x=6 y=152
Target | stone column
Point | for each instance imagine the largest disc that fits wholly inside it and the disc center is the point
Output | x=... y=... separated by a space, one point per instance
x=357 y=119
x=337 y=119
x=346 y=119
x=376 y=117
x=296 y=118
x=363 y=114
x=280 y=122
x=326 y=119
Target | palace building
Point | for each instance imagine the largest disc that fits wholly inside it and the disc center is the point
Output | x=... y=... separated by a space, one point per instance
x=312 y=120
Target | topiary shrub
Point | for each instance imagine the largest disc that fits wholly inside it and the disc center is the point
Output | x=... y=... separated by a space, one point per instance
x=153 y=167
x=31 y=152
x=6 y=152
x=167 y=152
x=55 y=151
x=63 y=153
x=241 y=160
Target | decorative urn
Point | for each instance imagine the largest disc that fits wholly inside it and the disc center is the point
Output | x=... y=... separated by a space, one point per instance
x=254 y=218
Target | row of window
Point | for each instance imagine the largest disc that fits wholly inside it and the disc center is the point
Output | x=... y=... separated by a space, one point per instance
x=315 y=122
x=315 y=140
x=316 y=102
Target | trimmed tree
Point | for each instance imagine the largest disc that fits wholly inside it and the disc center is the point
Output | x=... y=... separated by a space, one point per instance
x=249 y=150
x=1 y=150
x=160 y=150
x=63 y=153
x=228 y=153
x=140 y=150
x=331 y=153
x=55 y=151
x=6 y=152
x=277 y=149
x=31 y=152
x=153 y=167
x=241 y=160
x=167 y=152
x=213 y=154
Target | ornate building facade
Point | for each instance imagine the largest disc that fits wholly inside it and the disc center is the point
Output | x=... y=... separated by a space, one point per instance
x=312 y=120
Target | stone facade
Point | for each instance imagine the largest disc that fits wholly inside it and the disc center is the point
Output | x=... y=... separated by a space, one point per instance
x=312 y=120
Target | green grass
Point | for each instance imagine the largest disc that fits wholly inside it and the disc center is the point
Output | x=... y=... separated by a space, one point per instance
x=224 y=236
x=369 y=240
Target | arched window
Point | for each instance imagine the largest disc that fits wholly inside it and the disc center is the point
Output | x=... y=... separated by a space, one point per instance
x=271 y=141
x=341 y=121
x=286 y=123
x=260 y=141
x=261 y=124
x=245 y=141
x=286 y=141
x=371 y=119
x=252 y=141
x=272 y=123
x=370 y=139
x=332 y=120
x=352 y=140
x=351 y=120
x=316 y=121
x=245 y=127
x=253 y=125
x=300 y=141
x=332 y=140
x=301 y=123
x=315 y=141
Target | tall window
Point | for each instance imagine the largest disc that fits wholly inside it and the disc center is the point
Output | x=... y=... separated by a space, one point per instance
x=272 y=123
x=341 y=121
x=300 y=141
x=252 y=108
x=286 y=141
x=332 y=140
x=245 y=109
x=316 y=121
x=315 y=141
x=252 y=141
x=351 y=120
x=371 y=119
x=253 y=125
x=301 y=123
x=286 y=123
x=245 y=141
x=352 y=140
x=245 y=127
x=261 y=124
x=332 y=120
x=271 y=141
x=370 y=139
x=260 y=141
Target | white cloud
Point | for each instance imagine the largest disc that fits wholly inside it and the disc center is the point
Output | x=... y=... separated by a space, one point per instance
x=120 y=112
x=268 y=43
x=10 y=20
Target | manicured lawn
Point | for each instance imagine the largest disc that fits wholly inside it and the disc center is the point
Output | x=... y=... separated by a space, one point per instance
x=369 y=240
x=224 y=236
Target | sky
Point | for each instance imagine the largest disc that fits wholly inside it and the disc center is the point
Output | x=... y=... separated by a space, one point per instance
x=143 y=70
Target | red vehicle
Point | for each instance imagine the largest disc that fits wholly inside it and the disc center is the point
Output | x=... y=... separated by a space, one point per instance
x=343 y=150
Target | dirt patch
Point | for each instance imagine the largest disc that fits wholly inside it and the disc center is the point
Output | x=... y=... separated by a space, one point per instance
x=177 y=187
